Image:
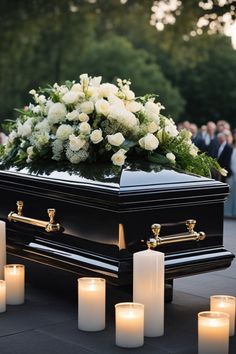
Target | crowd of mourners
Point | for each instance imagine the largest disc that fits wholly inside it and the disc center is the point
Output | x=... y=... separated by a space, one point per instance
x=219 y=141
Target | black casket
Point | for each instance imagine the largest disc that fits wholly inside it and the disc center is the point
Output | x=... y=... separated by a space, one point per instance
x=104 y=215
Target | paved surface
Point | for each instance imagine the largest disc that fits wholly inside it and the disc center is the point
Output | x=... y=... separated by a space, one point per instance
x=47 y=322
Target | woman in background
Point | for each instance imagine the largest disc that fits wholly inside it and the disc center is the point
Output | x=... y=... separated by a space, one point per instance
x=230 y=205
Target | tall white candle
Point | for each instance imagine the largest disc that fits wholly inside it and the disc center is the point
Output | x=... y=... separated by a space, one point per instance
x=148 y=289
x=2 y=296
x=91 y=304
x=225 y=303
x=15 y=283
x=129 y=325
x=213 y=332
x=2 y=248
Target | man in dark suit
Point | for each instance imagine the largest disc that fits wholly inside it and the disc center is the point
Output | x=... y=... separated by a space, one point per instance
x=224 y=154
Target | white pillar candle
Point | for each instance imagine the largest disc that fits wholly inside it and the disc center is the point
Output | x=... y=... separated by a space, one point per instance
x=129 y=325
x=148 y=289
x=91 y=304
x=2 y=296
x=213 y=332
x=2 y=248
x=15 y=283
x=225 y=303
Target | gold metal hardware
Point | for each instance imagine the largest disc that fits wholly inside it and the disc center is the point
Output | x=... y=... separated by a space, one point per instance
x=49 y=226
x=191 y=235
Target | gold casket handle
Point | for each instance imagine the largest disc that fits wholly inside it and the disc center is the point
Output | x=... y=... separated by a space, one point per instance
x=191 y=235
x=49 y=226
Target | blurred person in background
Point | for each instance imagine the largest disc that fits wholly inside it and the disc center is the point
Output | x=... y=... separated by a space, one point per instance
x=210 y=140
x=230 y=204
x=196 y=137
x=222 y=125
x=224 y=154
x=203 y=131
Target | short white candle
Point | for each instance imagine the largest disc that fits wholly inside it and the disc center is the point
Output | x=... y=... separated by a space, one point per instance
x=91 y=304
x=2 y=248
x=213 y=332
x=15 y=283
x=225 y=303
x=129 y=324
x=2 y=296
x=148 y=289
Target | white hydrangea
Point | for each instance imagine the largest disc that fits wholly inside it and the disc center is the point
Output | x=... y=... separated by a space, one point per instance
x=149 y=142
x=64 y=131
x=73 y=116
x=119 y=157
x=39 y=140
x=116 y=139
x=85 y=128
x=24 y=130
x=43 y=126
x=76 y=143
x=57 y=149
x=87 y=107
x=102 y=107
x=57 y=113
x=96 y=136
x=76 y=157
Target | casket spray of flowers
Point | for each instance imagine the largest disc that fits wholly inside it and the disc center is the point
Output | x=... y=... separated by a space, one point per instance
x=93 y=121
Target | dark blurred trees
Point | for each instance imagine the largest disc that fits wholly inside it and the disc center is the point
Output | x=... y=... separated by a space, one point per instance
x=46 y=41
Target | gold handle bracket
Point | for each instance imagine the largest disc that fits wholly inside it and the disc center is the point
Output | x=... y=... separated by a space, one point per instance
x=49 y=226
x=191 y=235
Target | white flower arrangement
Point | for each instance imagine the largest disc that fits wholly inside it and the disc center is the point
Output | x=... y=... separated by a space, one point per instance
x=93 y=121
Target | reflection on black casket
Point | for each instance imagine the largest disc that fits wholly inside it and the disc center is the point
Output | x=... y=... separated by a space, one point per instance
x=105 y=215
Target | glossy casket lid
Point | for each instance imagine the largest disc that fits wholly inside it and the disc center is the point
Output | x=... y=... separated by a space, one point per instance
x=130 y=184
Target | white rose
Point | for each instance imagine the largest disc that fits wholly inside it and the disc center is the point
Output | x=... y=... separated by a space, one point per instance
x=87 y=107
x=95 y=81
x=64 y=131
x=193 y=150
x=149 y=142
x=152 y=127
x=42 y=99
x=116 y=139
x=76 y=143
x=102 y=107
x=133 y=106
x=30 y=152
x=56 y=113
x=170 y=156
x=129 y=95
x=107 y=89
x=119 y=157
x=171 y=130
x=85 y=128
x=152 y=111
x=96 y=136
x=70 y=97
x=84 y=79
x=76 y=88
x=83 y=117
x=74 y=115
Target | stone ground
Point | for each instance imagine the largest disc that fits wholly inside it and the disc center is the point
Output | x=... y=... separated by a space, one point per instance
x=47 y=322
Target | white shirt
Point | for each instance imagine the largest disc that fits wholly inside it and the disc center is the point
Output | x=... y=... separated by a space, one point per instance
x=221 y=148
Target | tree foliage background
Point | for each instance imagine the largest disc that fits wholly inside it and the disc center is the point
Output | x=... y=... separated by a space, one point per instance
x=50 y=41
